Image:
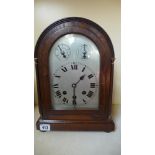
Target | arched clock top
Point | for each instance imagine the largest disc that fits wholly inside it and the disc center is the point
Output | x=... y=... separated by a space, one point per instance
x=80 y=23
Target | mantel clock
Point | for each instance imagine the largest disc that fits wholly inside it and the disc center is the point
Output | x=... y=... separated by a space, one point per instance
x=74 y=67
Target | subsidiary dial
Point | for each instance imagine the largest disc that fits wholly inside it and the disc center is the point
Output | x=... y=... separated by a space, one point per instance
x=84 y=52
x=62 y=52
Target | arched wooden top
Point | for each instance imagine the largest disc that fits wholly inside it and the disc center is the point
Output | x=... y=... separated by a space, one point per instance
x=73 y=22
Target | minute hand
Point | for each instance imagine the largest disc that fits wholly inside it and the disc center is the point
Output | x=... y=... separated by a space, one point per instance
x=81 y=78
x=62 y=52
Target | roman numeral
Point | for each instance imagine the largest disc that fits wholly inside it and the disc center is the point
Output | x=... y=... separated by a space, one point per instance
x=90 y=76
x=58 y=93
x=84 y=101
x=90 y=93
x=55 y=86
x=83 y=69
x=74 y=67
x=65 y=100
x=57 y=76
x=92 y=85
x=64 y=69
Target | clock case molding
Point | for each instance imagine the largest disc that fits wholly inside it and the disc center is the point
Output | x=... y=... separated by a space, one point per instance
x=79 y=120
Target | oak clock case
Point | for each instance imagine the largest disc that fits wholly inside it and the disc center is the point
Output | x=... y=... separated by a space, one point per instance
x=74 y=66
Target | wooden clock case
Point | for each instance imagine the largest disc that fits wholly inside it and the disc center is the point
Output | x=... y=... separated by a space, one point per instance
x=79 y=120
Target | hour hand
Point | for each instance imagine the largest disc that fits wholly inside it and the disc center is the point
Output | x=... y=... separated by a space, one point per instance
x=74 y=96
x=74 y=100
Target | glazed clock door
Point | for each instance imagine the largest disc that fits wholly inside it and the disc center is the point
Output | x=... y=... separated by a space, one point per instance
x=74 y=64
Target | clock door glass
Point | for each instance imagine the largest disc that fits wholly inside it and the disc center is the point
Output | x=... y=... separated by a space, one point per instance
x=74 y=65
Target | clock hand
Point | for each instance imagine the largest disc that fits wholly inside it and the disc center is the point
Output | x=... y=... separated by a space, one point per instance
x=62 y=52
x=74 y=96
x=74 y=86
x=81 y=78
x=84 y=47
x=84 y=55
x=85 y=52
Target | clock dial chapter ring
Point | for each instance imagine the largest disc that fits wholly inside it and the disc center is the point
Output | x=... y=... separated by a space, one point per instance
x=79 y=83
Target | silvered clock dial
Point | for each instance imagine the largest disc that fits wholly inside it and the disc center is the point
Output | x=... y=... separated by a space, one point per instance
x=74 y=82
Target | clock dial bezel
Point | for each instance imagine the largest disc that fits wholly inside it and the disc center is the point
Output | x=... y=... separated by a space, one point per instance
x=47 y=39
